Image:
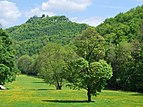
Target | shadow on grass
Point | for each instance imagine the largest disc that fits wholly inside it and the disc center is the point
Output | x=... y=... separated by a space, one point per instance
x=41 y=89
x=67 y=101
x=137 y=94
x=45 y=89
x=39 y=82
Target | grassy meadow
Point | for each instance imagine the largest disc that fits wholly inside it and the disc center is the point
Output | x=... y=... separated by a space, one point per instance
x=28 y=91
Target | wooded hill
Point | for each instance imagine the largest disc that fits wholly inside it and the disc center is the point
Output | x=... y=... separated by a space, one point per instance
x=123 y=27
x=124 y=48
x=31 y=36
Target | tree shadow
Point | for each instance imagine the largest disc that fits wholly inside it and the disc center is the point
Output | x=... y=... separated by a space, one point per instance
x=41 y=89
x=67 y=101
x=44 y=89
x=39 y=82
x=137 y=94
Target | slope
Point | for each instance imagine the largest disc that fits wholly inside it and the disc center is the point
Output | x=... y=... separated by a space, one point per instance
x=123 y=27
x=31 y=36
x=124 y=49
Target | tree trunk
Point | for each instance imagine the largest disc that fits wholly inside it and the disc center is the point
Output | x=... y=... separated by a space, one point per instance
x=89 y=94
x=58 y=86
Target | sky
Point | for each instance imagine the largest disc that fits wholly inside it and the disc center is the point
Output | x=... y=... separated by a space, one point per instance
x=92 y=12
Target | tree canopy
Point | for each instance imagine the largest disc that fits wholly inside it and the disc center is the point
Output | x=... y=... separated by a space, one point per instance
x=89 y=71
x=51 y=62
x=124 y=41
x=7 y=59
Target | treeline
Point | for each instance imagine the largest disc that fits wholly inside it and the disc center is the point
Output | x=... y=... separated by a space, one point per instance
x=124 y=42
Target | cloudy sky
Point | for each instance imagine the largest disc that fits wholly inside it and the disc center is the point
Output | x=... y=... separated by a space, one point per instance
x=92 y=12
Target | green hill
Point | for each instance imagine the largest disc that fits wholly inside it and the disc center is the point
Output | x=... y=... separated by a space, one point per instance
x=123 y=27
x=124 y=48
x=31 y=36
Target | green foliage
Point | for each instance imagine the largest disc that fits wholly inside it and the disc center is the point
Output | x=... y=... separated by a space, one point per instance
x=137 y=73
x=89 y=77
x=24 y=64
x=123 y=27
x=31 y=36
x=124 y=38
x=96 y=76
x=51 y=62
x=4 y=73
x=90 y=45
x=121 y=59
x=7 y=59
x=89 y=72
x=100 y=72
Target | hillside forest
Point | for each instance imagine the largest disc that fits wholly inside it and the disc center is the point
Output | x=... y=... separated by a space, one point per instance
x=81 y=56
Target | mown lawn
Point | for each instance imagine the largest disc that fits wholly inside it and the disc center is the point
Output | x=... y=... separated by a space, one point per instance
x=28 y=91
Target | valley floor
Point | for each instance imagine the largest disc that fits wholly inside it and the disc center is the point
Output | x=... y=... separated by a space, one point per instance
x=28 y=91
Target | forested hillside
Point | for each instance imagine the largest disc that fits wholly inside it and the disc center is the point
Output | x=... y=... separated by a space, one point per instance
x=123 y=27
x=31 y=36
x=124 y=49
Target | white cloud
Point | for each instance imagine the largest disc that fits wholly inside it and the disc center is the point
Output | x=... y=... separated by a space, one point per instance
x=52 y=6
x=38 y=12
x=8 y=12
x=66 y=5
x=93 y=21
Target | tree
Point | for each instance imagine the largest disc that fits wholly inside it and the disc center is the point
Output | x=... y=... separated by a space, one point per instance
x=89 y=77
x=122 y=63
x=7 y=59
x=43 y=15
x=136 y=75
x=90 y=45
x=33 y=68
x=89 y=71
x=51 y=62
x=24 y=64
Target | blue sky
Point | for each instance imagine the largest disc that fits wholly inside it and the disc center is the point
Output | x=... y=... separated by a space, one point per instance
x=92 y=12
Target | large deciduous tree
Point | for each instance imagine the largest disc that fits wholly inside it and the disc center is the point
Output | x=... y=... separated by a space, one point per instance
x=51 y=62
x=89 y=71
x=7 y=59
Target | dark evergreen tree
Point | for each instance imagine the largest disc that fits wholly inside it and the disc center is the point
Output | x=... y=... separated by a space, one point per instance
x=7 y=59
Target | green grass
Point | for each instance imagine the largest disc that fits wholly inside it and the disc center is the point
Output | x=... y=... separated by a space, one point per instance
x=33 y=92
